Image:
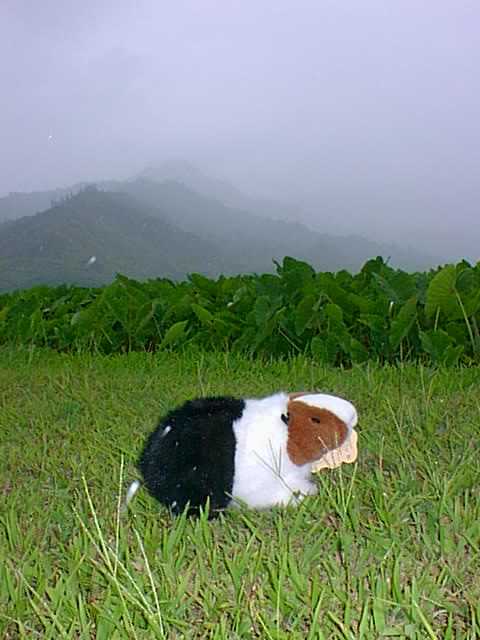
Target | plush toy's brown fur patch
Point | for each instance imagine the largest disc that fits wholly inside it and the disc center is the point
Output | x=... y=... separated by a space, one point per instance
x=312 y=432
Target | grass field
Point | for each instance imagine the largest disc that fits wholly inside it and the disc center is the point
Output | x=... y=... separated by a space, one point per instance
x=389 y=548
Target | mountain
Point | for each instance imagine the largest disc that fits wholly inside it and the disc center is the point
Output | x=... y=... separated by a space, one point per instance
x=89 y=237
x=17 y=205
x=190 y=176
x=153 y=225
x=256 y=240
x=252 y=241
x=187 y=174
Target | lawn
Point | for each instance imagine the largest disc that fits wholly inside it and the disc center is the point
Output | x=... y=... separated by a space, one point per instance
x=390 y=547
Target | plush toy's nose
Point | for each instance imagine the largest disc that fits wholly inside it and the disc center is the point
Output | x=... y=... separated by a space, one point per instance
x=285 y=418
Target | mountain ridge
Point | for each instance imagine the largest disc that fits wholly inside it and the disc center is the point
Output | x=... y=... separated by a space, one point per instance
x=188 y=231
x=89 y=237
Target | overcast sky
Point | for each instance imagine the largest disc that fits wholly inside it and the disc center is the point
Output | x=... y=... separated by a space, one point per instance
x=365 y=111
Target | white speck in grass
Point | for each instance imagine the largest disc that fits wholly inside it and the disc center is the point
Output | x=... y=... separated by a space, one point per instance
x=174 y=503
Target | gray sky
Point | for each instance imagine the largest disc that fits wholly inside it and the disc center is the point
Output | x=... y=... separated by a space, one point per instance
x=366 y=111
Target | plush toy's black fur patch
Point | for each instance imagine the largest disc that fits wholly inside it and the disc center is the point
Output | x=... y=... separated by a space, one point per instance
x=189 y=458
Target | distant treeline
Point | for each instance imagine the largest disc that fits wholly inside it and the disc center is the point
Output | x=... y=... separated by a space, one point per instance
x=379 y=314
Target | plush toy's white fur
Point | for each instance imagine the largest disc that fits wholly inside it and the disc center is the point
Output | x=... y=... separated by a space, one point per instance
x=264 y=474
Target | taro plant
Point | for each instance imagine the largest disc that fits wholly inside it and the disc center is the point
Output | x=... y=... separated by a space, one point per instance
x=380 y=313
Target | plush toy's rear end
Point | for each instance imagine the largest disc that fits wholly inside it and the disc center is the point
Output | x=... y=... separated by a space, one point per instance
x=189 y=458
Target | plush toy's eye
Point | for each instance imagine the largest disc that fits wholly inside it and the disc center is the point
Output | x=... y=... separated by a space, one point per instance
x=285 y=418
x=315 y=419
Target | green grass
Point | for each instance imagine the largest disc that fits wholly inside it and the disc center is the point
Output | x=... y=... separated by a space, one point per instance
x=389 y=548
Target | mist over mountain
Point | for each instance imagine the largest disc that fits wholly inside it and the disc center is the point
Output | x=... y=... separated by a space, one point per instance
x=89 y=237
x=164 y=222
x=17 y=204
x=249 y=233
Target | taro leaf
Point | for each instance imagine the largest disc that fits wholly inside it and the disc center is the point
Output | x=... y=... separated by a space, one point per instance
x=374 y=322
x=404 y=321
x=350 y=346
x=374 y=265
x=263 y=309
x=457 y=331
x=37 y=326
x=204 y=285
x=240 y=295
x=273 y=336
x=202 y=314
x=337 y=338
x=466 y=278
x=440 y=347
x=145 y=314
x=378 y=334
x=334 y=313
x=343 y=278
x=3 y=315
x=221 y=328
x=244 y=342
x=181 y=309
x=324 y=349
x=304 y=313
x=297 y=276
x=468 y=286
x=422 y=281
x=301 y=269
x=442 y=293
x=268 y=285
x=452 y=288
x=335 y=293
x=174 y=333
x=263 y=332
x=127 y=282
x=472 y=303
x=362 y=303
x=357 y=351
x=399 y=286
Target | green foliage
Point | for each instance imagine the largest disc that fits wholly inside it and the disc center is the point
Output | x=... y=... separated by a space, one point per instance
x=380 y=314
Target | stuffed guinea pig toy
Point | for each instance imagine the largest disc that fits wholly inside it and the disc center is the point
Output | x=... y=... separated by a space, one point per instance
x=260 y=452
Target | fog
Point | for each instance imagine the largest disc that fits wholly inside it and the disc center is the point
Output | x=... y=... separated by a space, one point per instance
x=362 y=116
